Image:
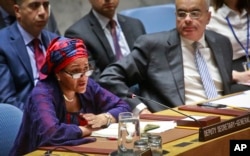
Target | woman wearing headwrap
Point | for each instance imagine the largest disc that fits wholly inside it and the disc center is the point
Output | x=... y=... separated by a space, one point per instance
x=65 y=107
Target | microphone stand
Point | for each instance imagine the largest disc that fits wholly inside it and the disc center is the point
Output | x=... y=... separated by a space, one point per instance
x=140 y=97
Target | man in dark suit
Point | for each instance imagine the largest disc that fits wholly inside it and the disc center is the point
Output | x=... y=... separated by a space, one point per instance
x=163 y=63
x=7 y=16
x=18 y=69
x=94 y=30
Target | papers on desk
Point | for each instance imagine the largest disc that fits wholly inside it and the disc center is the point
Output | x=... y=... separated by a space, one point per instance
x=112 y=130
x=240 y=100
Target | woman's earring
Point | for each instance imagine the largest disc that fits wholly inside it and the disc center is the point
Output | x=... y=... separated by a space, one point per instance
x=58 y=77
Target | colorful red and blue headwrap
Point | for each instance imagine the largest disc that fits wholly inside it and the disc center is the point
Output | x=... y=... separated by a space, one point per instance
x=61 y=52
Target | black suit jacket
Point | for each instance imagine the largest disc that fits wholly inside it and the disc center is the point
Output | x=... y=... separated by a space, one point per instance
x=89 y=29
x=156 y=64
x=16 y=76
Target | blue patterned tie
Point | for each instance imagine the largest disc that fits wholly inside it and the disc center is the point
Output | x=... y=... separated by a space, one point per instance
x=206 y=78
x=117 y=47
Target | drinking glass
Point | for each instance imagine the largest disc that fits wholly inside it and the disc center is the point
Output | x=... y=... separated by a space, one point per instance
x=155 y=143
x=128 y=133
x=140 y=146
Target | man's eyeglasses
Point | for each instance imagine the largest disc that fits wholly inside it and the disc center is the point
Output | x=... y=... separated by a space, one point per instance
x=79 y=75
x=192 y=14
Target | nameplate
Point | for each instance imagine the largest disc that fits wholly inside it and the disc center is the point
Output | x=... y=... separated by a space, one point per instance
x=195 y=108
x=160 y=117
x=205 y=121
x=226 y=127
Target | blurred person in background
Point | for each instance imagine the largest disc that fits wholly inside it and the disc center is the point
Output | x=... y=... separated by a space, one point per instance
x=101 y=29
x=231 y=18
x=22 y=51
x=7 y=16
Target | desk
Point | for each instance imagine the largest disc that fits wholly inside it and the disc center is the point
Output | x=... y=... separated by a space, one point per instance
x=217 y=147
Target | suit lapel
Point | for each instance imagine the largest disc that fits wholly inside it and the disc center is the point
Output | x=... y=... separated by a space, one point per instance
x=126 y=30
x=214 y=48
x=46 y=38
x=174 y=57
x=19 y=48
x=96 y=27
x=217 y=53
x=2 y=23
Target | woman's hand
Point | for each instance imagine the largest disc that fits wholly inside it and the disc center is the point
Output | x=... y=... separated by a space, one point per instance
x=86 y=130
x=96 y=121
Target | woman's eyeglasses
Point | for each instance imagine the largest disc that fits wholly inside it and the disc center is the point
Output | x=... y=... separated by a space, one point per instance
x=79 y=75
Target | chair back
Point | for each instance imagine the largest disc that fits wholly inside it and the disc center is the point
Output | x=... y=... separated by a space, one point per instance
x=10 y=121
x=154 y=18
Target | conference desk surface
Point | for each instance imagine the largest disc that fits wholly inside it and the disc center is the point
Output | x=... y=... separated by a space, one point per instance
x=217 y=147
x=186 y=146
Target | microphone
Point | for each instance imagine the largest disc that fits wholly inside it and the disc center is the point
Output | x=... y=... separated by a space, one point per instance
x=131 y=95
